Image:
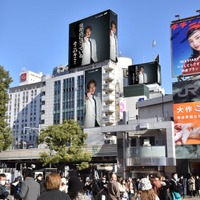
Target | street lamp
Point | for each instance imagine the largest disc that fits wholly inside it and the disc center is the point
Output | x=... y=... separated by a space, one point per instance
x=32 y=130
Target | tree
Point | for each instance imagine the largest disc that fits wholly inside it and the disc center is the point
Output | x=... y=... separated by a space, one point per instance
x=5 y=134
x=65 y=142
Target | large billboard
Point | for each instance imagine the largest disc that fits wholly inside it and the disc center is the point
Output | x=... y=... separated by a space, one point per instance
x=186 y=91
x=187 y=123
x=93 y=98
x=93 y=39
x=145 y=73
x=185 y=46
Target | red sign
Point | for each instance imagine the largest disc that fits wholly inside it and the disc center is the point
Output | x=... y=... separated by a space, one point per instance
x=23 y=77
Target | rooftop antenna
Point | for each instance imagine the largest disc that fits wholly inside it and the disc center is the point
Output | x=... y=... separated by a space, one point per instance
x=178 y=17
x=153 y=46
x=198 y=11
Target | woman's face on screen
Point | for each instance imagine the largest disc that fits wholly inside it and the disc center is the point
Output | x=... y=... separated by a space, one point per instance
x=194 y=40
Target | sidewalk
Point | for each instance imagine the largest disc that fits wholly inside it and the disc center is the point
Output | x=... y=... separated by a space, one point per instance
x=193 y=198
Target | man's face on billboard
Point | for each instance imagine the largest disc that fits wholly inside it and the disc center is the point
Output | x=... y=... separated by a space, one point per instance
x=92 y=88
x=88 y=32
x=142 y=69
x=113 y=28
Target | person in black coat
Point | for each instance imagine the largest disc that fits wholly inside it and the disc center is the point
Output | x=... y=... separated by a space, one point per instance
x=53 y=181
x=41 y=181
x=175 y=187
x=161 y=188
x=15 y=186
x=197 y=186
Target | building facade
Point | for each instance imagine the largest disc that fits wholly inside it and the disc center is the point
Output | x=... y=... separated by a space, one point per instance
x=24 y=111
x=53 y=99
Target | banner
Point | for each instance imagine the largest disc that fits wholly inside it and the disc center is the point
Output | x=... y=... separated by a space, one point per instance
x=186 y=91
x=187 y=123
x=144 y=73
x=93 y=39
x=93 y=98
x=185 y=46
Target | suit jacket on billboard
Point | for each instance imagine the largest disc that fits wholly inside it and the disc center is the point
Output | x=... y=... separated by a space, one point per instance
x=113 y=46
x=89 y=51
x=90 y=114
x=142 y=78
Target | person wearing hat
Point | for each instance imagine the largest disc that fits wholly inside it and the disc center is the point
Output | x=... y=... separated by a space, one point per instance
x=192 y=65
x=146 y=190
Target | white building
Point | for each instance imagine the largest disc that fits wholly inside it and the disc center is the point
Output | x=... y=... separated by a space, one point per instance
x=28 y=77
x=40 y=101
x=24 y=110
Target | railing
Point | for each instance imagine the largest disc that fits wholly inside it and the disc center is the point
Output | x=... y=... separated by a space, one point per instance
x=34 y=153
x=149 y=156
x=147 y=151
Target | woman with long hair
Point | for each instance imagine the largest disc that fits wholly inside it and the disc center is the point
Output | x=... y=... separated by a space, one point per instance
x=192 y=65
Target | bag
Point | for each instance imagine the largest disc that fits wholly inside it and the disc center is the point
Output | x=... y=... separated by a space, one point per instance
x=176 y=196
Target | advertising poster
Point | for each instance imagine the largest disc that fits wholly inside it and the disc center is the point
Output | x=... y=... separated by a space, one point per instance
x=23 y=77
x=122 y=105
x=144 y=73
x=187 y=123
x=186 y=91
x=185 y=46
x=93 y=98
x=93 y=39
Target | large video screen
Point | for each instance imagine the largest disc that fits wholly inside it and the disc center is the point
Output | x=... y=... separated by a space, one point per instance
x=186 y=91
x=93 y=39
x=93 y=98
x=185 y=46
x=144 y=73
x=187 y=123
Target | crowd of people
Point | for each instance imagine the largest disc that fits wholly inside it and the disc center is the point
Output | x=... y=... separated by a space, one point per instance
x=74 y=187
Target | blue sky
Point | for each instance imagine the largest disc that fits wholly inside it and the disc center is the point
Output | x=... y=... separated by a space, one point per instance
x=34 y=33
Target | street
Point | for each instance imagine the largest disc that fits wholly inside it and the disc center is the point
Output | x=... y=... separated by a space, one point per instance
x=187 y=198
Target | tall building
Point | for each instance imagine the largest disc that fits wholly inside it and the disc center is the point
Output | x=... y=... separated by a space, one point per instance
x=28 y=77
x=23 y=110
x=60 y=97
x=63 y=97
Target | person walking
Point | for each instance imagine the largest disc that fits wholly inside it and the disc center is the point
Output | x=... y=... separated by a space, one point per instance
x=175 y=188
x=30 y=189
x=197 y=186
x=113 y=188
x=41 y=181
x=191 y=186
